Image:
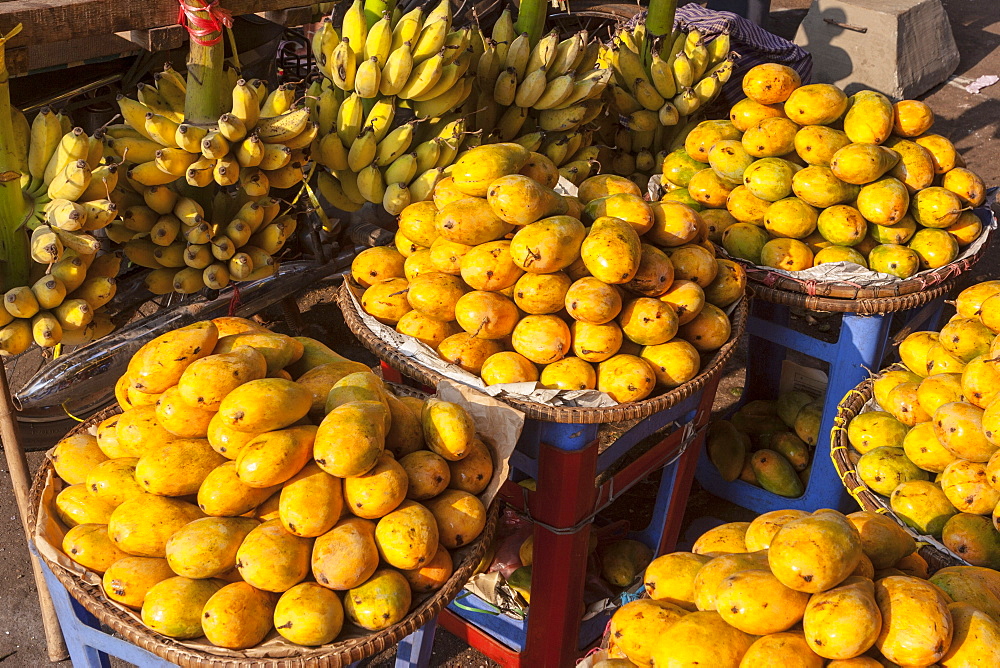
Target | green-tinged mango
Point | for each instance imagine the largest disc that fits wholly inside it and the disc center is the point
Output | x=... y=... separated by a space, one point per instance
x=309 y=614
x=936 y=207
x=973 y=538
x=745 y=241
x=883 y=469
x=725 y=449
x=894 y=259
x=792 y=448
x=729 y=160
x=807 y=422
x=381 y=601
x=206 y=548
x=970 y=584
x=770 y=178
x=897 y=233
x=703 y=137
x=173 y=606
x=320 y=379
x=922 y=505
x=923 y=448
x=869 y=118
x=623 y=561
x=279 y=350
x=238 y=616
x=875 y=429
x=776 y=474
x=679 y=167
x=883 y=202
x=314 y=354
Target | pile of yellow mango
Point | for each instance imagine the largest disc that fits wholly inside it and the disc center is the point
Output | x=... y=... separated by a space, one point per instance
x=808 y=590
x=515 y=282
x=804 y=175
x=256 y=481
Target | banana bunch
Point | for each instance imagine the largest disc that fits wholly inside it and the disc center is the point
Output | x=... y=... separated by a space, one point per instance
x=190 y=245
x=70 y=189
x=654 y=96
x=409 y=61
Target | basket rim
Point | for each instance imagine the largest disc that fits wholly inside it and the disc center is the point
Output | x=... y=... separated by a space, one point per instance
x=538 y=411
x=861 y=306
x=334 y=655
x=850 y=407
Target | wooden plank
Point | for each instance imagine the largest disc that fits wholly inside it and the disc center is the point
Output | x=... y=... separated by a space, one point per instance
x=156 y=39
x=47 y=21
x=17 y=60
x=76 y=52
x=293 y=16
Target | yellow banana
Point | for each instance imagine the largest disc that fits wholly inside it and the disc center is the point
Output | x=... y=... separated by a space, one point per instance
x=332 y=153
x=456 y=43
x=422 y=187
x=304 y=138
x=567 y=53
x=531 y=89
x=349 y=184
x=250 y=151
x=15 y=337
x=162 y=129
x=151 y=98
x=65 y=214
x=350 y=118
x=166 y=230
x=214 y=145
x=408 y=28
x=222 y=247
x=73 y=146
x=368 y=78
x=74 y=314
x=518 y=55
x=20 y=302
x=170 y=256
x=431 y=40
x=402 y=170
x=556 y=90
x=282 y=128
x=215 y=276
x=394 y=145
x=488 y=65
x=246 y=106
x=723 y=70
x=275 y=156
x=45 y=246
x=49 y=292
x=46 y=331
x=589 y=58
x=362 y=151
x=100 y=213
x=82 y=244
x=565 y=118
x=332 y=191
x=396 y=198
x=381 y=116
x=198 y=256
x=263 y=264
x=160 y=281
x=46 y=134
x=687 y=102
x=544 y=52
x=272 y=238
x=139 y=251
x=445 y=102
x=378 y=42
x=96 y=291
x=231 y=128
x=668 y=114
x=160 y=199
x=326 y=111
x=199 y=174
x=324 y=41
x=646 y=95
x=187 y=281
x=396 y=72
x=175 y=161
x=287 y=176
x=423 y=77
x=699 y=60
x=510 y=123
x=718 y=48
x=150 y=174
x=707 y=89
x=370 y=184
x=503 y=35
x=103 y=180
x=238 y=232
x=121 y=130
x=683 y=70
x=188 y=211
x=450 y=76
x=278 y=102
x=271 y=208
x=531 y=141
x=226 y=171
x=355 y=25
x=71 y=182
x=198 y=234
x=252 y=214
x=241 y=266
x=173 y=89
x=662 y=76
x=105 y=265
x=132 y=149
x=557 y=150
x=95 y=152
x=345 y=65
x=505 y=88
x=139 y=218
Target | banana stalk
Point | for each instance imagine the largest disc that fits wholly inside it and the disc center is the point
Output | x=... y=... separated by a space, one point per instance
x=660 y=19
x=203 y=102
x=375 y=8
x=14 y=259
x=531 y=19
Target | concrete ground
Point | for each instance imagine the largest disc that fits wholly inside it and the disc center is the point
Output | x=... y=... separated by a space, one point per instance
x=971 y=121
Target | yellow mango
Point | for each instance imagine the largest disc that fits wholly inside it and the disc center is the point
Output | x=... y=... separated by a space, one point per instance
x=90 y=546
x=272 y=559
x=791 y=218
x=636 y=625
x=346 y=555
x=471 y=221
x=817 y=144
x=173 y=606
x=862 y=163
x=728 y=285
x=602 y=185
x=436 y=294
x=818 y=186
x=843 y=622
x=549 y=245
x=541 y=168
x=882 y=539
x=448 y=428
x=486 y=315
x=976 y=638
x=911 y=118
x=76 y=505
x=746 y=207
x=596 y=343
x=386 y=301
x=508 y=367
x=407 y=537
x=747 y=112
x=816 y=104
x=473 y=472
x=936 y=207
x=915 y=167
x=917 y=625
x=405 y=435
x=785 y=649
x=611 y=251
x=206 y=548
x=769 y=179
x=869 y=118
x=75 y=456
x=264 y=405
x=670 y=578
x=378 y=491
x=309 y=614
x=138 y=430
x=489 y=266
x=709 y=189
x=770 y=137
x=361 y=386
x=724 y=539
x=238 y=616
x=702 y=138
x=163 y=360
x=446 y=256
x=177 y=468
x=311 y=502
x=427 y=330
x=269 y=509
x=729 y=159
x=351 y=438
x=433 y=575
x=540 y=294
x=592 y=300
x=701 y=639
x=416 y=221
x=763 y=528
x=467 y=351
x=225 y=440
x=206 y=382
x=320 y=379
x=181 y=419
x=275 y=456
x=970 y=584
x=427 y=474
x=519 y=200
x=460 y=516
x=673 y=363
x=755 y=602
x=966 y=184
x=374 y=265
x=107 y=439
x=648 y=321
x=815 y=553
x=710 y=575
x=543 y=339
x=142 y=525
x=569 y=373
x=314 y=354
x=942 y=151
x=114 y=480
x=631 y=208
x=883 y=202
x=476 y=169
x=381 y=601
x=129 y=579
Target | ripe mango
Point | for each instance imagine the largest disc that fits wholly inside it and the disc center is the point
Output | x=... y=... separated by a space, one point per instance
x=346 y=555
x=360 y=386
x=428 y=331
x=570 y=373
x=815 y=553
x=264 y=405
x=596 y=343
x=728 y=286
x=467 y=351
x=90 y=546
x=548 y=245
x=791 y=217
x=540 y=294
x=374 y=265
x=176 y=468
x=966 y=184
x=173 y=606
x=107 y=439
x=745 y=241
x=416 y=221
x=275 y=456
x=843 y=622
x=817 y=144
x=893 y=259
x=755 y=602
x=917 y=625
x=763 y=528
x=272 y=559
x=701 y=638
x=129 y=579
x=350 y=438
x=976 y=638
x=76 y=505
x=407 y=537
x=670 y=578
x=278 y=350
x=433 y=575
x=788 y=648
x=655 y=273
x=959 y=427
x=915 y=167
x=672 y=364
x=703 y=137
x=320 y=379
x=487 y=315
x=939 y=389
x=862 y=163
x=473 y=472
x=769 y=179
x=883 y=541
x=114 y=480
x=311 y=502
x=939 y=360
x=923 y=448
x=427 y=474
x=611 y=251
x=973 y=538
x=922 y=505
x=883 y=469
x=968 y=488
x=489 y=266
x=75 y=456
x=519 y=200
x=508 y=367
x=817 y=186
x=636 y=625
x=631 y=208
x=405 y=435
x=448 y=428
x=238 y=616
x=709 y=189
x=309 y=614
x=541 y=168
x=471 y=221
x=709 y=576
x=475 y=170
x=378 y=491
x=694 y=263
x=142 y=525
x=162 y=361
x=883 y=202
x=717 y=220
x=707 y=331
x=970 y=584
x=593 y=301
x=724 y=539
x=911 y=118
x=679 y=166
x=730 y=159
x=381 y=601
x=602 y=185
x=942 y=151
x=869 y=118
x=936 y=207
x=747 y=112
x=446 y=256
x=816 y=104
x=206 y=548
x=897 y=233
x=386 y=301
x=138 y=429
x=770 y=137
x=223 y=494
x=460 y=517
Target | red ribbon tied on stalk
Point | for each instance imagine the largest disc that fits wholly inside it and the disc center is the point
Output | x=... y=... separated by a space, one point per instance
x=199 y=27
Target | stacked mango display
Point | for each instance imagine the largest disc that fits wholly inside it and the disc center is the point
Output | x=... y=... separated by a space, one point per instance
x=414 y=61
x=228 y=500
x=196 y=205
x=932 y=448
x=803 y=175
x=654 y=97
x=768 y=443
x=794 y=589
x=501 y=276
x=543 y=94
x=72 y=192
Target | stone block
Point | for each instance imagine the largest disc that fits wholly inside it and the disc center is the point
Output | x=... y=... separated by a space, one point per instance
x=901 y=48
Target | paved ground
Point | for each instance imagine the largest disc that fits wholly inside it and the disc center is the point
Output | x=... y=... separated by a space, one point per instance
x=971 y=121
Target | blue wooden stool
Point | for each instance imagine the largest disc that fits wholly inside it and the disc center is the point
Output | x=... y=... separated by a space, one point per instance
x=90 y=647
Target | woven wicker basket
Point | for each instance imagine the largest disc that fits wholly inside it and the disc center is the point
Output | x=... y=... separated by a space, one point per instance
x=851 y=406
x=537 y=411
x=334 y=655
x=860 y=305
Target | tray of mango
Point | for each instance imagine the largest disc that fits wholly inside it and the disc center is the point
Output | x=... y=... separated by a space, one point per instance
x=255 y=495
x=805 y=183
